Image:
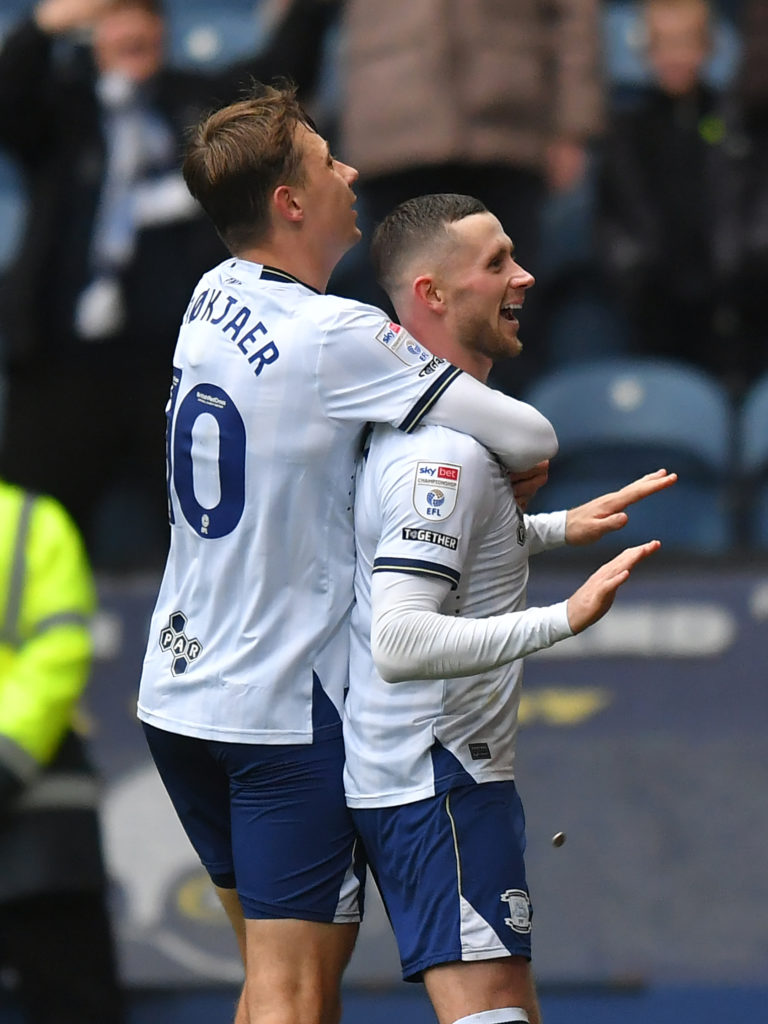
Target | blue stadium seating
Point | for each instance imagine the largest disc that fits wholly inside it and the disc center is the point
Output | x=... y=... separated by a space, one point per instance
x=617 y=419
x=753 y=462
x=210 y=36
x=581 y=323
x=12 y=11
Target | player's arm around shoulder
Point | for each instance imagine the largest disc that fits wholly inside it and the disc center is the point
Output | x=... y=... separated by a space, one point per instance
x=370 y=369
x=518 y=433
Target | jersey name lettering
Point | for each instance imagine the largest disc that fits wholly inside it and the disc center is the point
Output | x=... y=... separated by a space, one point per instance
x=211 y=307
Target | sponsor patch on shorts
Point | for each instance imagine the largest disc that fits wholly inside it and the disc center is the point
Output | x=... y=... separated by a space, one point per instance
x=519 y=904
x=443 y=540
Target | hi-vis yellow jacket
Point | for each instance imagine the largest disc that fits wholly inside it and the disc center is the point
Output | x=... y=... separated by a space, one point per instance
x=47 y=788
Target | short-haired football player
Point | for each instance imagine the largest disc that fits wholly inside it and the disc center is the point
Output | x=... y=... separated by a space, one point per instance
x=440 y=626
x=246 y=664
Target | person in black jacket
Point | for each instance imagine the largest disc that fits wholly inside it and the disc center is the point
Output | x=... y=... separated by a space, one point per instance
x=679 y=202
x=112 y=249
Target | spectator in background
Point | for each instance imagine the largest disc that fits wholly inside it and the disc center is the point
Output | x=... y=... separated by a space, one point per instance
x=679 y=206
x=753 y=79
x=55 y=933
x=751 y=87
x=486 y=98
x=112 y=249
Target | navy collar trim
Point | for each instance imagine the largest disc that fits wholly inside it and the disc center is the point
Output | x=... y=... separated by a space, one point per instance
x=275 y=274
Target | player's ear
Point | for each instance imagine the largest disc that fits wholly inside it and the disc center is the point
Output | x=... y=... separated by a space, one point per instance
x=286 y=204
x=427 y=293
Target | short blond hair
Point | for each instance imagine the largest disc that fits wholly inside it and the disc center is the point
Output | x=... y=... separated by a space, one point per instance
x=238 y=155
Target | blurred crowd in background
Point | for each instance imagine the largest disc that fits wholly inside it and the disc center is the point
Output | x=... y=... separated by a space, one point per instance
x=623 y=144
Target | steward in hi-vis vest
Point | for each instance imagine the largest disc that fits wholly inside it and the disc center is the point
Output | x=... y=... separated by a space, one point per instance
x=52 y=876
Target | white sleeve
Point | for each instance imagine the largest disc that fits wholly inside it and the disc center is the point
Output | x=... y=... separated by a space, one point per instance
x=411 y=639
x=513 y=430
x=372 y=370
x=546 y=530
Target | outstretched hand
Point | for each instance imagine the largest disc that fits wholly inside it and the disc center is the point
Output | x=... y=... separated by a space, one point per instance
x=591 y=521
x=55 y=16
x=594 y=597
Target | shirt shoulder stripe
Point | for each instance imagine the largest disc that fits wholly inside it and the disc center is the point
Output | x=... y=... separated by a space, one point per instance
x=428 y=399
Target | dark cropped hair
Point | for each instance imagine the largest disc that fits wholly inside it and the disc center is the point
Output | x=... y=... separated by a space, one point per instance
x=238 y=155
x=414 y=226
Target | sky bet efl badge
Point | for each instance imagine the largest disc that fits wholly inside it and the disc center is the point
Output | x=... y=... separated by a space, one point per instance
x=405 y=347
x=435 y=490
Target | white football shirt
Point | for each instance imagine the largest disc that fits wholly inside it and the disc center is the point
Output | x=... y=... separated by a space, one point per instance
x=438 y=505
x=272 y=386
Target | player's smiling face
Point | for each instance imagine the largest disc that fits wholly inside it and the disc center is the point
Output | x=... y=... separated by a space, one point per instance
x=328 y=195
x=484 y=288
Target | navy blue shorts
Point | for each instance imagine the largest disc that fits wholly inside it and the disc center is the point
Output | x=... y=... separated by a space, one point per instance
x=267 y=820
x=451 y=873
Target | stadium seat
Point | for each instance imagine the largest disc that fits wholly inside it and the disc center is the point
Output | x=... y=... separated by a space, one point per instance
x=207 y=37
x=753 y=462
x=12 y=11
x=617 y=419
x=581 y=322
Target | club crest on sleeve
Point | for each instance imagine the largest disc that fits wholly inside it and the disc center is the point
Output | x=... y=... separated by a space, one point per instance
x=435 y=490
x=403 y=345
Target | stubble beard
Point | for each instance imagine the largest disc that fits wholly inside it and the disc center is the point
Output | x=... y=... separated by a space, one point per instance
x=477 y=335
x=494 y=346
